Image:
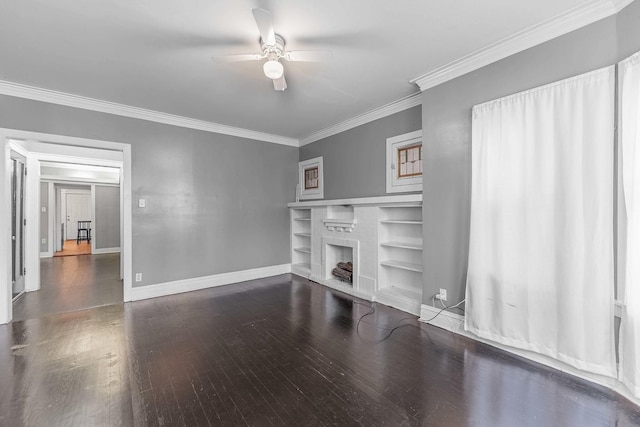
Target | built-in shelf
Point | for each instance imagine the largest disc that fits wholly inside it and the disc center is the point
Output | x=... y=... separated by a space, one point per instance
x=403 y=245
x=301 y=241
x=409 y=266
x=400 y=255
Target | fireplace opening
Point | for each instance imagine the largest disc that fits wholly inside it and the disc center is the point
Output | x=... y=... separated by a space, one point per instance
x=340 y=263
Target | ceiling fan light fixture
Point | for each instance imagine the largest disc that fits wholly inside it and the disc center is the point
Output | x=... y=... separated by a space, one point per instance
x=273 y=69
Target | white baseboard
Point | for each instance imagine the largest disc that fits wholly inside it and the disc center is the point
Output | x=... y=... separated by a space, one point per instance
x=398 y=301
x=105 y=251
x=455 y=323
x=46 y=254
x=197 y=283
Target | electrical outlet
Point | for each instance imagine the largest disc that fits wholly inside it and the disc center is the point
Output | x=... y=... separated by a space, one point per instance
x=138 y=277
x=442 y=295
x=44 y=241
x=44 y=209
x=142 y=203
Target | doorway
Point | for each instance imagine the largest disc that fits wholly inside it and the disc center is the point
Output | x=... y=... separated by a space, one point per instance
x=18 y=179
x=76 y=210
x=37 y=147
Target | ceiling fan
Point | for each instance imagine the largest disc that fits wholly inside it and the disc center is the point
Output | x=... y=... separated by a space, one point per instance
x=272 y=48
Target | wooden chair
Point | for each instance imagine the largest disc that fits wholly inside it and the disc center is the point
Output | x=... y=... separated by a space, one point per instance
x=84 y=231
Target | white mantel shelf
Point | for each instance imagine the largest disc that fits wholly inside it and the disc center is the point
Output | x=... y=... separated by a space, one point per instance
x=382 y=200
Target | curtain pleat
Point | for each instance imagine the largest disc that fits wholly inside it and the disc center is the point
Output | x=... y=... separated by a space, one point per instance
x=629 y=141
x=541 y=265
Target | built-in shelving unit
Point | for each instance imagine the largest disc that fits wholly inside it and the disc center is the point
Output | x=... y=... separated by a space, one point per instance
x=380 y=236
x=301 y=241
x=400 y=256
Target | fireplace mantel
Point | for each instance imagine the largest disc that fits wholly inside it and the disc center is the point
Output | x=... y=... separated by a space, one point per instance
x=381 y=200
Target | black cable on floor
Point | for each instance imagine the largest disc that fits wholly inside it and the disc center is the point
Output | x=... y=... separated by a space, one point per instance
x=393 y=329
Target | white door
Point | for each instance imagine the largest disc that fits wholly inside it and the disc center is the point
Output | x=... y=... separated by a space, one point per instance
x=78 y=209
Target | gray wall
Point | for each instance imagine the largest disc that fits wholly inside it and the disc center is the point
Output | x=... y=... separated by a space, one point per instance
x=215 y=203
x=628 y=23
x=354 y=161
x=44 y=216
x=106 y=230
x=446 y=115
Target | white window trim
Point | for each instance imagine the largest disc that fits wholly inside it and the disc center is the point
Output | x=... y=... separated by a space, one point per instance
x=314 y=193
x=401 y=185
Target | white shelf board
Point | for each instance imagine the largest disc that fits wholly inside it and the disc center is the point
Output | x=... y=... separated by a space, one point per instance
x=302 y=234
x=400 y=221
x=402 y=265
x=303 y=249
x=403 y=245
x=302 y=219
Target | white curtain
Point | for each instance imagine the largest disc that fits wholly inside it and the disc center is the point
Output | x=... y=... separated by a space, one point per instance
x=540 y=273
x=629 y=141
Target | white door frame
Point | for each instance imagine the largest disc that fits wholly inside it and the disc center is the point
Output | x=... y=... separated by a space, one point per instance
x=21 y=159
x=63 y=202
x=32 y=234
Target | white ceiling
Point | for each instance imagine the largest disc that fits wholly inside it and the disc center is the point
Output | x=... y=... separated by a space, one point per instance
x=156 y=54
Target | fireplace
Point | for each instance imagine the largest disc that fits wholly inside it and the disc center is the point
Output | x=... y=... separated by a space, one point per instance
x=335 y=251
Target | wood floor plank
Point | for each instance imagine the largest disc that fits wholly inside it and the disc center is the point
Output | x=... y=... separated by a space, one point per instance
x=72 y=283
x=277 y=351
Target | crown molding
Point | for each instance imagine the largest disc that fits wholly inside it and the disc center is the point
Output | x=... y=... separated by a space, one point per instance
x=69 y=100
x=621 y=4
x=378 y=113
x=577 y=17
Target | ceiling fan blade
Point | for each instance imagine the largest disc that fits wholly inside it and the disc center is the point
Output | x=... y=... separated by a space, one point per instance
x=264 y=21
x=308 y=55
x=280 y=84
x=237 y=58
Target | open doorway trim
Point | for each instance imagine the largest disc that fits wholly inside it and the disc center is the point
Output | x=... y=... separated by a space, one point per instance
x=32 y=202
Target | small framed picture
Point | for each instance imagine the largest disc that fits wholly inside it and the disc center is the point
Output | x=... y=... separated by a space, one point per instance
x=310 y=178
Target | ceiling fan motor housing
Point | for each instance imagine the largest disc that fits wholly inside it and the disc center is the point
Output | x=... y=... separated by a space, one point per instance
x=268 y=51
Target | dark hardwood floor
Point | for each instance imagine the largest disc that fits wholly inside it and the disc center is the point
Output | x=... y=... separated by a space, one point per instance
x=72 y=283
x=278 y=351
